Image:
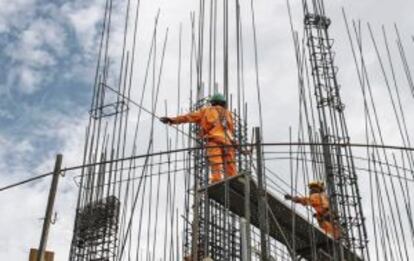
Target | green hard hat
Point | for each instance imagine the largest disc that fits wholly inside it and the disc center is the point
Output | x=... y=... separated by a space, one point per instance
x=218 y=97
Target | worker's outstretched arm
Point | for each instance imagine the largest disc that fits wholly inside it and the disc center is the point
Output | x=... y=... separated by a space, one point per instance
x=301 y=200
x=192 y=117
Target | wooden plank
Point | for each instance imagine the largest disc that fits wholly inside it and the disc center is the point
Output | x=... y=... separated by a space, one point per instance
x=49 y=256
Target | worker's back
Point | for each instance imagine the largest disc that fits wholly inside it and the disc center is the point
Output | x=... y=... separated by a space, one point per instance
x=216 y=123
x=320 y=202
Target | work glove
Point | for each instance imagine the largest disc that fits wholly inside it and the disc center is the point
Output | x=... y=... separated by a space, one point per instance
x=166 y=120
x=288 y=197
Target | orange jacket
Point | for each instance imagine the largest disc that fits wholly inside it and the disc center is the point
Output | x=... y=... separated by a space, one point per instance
x=319 y=201
x=211 y=120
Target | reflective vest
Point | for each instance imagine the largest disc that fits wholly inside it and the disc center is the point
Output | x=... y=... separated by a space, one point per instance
x=216 y=123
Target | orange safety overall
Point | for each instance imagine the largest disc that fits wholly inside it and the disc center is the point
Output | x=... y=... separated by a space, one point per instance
x=320 y=202
x=217 y=128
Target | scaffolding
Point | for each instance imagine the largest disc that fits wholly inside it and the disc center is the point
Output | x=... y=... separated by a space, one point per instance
x=240 y=218
x=339 y=173
x=95 y=237
x=214 y=231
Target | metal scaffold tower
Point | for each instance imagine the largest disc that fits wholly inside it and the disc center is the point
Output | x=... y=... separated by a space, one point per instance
x=339 y=169
x=214 y=231
x=224 y=217
x=267 y=215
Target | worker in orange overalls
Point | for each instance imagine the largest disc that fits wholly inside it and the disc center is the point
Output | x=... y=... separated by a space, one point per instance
x=318 y=199
x=217 y=128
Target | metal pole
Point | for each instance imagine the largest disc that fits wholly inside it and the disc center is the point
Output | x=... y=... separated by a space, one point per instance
x=245 y=243
x=246 y=238
x=262 y=197
x=49 y=209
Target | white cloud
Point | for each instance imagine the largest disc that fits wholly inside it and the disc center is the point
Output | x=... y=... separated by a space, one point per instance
x=25 y=205
x=5 y=114
x=42 y=42
x=29 y=80
x=84 y=19
x=15 y=14
x=10 y=147
x=36 y=47
x=35 y=53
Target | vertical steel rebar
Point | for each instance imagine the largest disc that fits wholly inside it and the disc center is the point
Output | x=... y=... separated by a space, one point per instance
x=262 y=197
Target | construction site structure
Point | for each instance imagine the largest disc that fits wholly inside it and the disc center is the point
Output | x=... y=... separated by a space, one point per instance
x=149 y=188
x=220 y=210
x=120 y=201
x=340 y=174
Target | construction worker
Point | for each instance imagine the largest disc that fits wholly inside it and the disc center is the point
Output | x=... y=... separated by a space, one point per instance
x=318 y=199
x=217 y=128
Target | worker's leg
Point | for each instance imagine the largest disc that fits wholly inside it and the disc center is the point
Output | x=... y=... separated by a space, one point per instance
x=336 y=231
x=215 y=159
x=230 y=159
x=330 y=229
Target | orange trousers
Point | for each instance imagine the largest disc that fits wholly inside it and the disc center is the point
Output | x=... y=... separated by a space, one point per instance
x=222 y=161
x=330 y=229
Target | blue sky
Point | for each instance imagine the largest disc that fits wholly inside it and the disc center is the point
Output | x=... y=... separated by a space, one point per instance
x=48 y=55
x=47 y=63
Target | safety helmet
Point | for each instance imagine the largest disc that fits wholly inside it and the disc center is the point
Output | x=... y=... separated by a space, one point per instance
x=218 y=98
x=317 y=184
